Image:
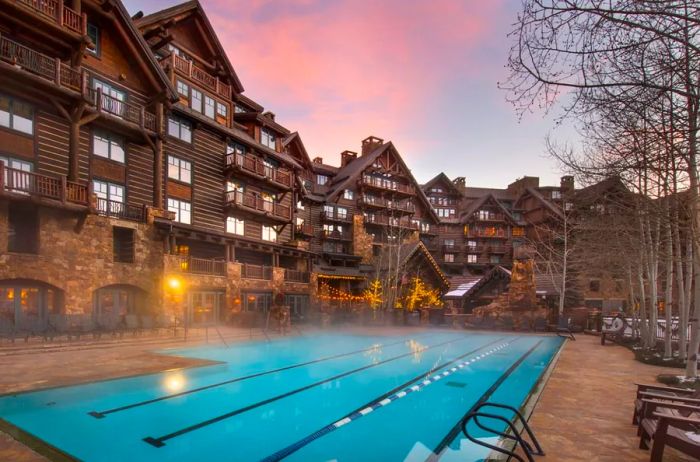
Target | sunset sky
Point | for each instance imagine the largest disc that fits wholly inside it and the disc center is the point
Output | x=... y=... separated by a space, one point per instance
x=420 y=73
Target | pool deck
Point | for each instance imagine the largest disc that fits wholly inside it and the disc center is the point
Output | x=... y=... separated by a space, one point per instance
x=583 y=413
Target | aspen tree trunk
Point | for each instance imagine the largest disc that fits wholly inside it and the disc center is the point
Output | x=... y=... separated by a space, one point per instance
x=668 y=299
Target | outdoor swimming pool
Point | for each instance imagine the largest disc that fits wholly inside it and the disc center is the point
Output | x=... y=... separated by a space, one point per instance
x=331 y=396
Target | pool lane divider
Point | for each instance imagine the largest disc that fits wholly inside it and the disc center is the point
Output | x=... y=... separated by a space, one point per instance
x=160 y=441
x=395 y=394
x=454 y=431
x=103 y=414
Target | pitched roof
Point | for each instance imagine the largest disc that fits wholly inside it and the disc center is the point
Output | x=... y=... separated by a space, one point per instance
x=474 y=206
x=417 y=249
x=548 y=205
x=501 y=194
x=296 y=139
x=186 y=7
x=349 y=173
x=471 y=284
x=444 y=179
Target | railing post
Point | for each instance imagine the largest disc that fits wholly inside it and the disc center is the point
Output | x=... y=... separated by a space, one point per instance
x=98 y=99
x=59 y=13
x=142 y=116
x=64 y=189
x=189 y=69
x=57 y=66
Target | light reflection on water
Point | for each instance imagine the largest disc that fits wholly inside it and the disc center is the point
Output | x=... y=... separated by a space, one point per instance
x=417 y=349
x=174 y=381
x=374 y=353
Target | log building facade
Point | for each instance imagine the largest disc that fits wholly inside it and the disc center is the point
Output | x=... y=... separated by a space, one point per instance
x=129 y=157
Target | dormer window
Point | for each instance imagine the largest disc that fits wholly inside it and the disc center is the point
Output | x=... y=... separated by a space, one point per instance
x=268 y=138
x=94 y=33
x=321 y=180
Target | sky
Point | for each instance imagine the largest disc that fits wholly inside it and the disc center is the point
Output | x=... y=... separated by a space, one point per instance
x=422 y=74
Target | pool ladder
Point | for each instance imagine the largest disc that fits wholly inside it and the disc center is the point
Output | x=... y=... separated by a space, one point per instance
x=515 y=436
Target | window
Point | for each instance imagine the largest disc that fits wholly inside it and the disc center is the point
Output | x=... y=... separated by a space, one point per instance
x=518 y=231
x=176 y=51
x=180 y=129
x=183 y=89
x=328 y=211
x=425 y=227
x=348 y=194
x=495 y=259
x=221 y=110
x=123 y=244
x=209 y=107
x=93 y=33
x=300 y=205
x=415 y=223
x=179 y=169
x=321 y=179
x=556 y=194
x=269 y=166
x=182 y=209
x=239 y=109
x=196 y=100
x=235 y=185
x=23 y=229
x=235 y=225
x=112 y=98
x=341 y=212
x=110 y=197
x=21 y=182
x=109 y=146
x=267 y=138
x=449 y=258
x=471 y=244
x=16 y=115
x=449 y=242
x=568 y=206
x=268 y=200
x=269 y=233
x=471 y=258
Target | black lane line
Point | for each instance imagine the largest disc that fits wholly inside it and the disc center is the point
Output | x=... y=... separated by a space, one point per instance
x=159 y=442
x=485 y=397
x=294 y=447
x=103 y=414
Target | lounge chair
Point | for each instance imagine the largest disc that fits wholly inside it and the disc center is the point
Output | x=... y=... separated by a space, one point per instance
x=614 y=330
x=564 y=328
x=663 y=393
x=679 y=430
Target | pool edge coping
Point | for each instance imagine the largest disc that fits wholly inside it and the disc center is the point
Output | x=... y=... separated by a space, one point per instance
x=35 y=444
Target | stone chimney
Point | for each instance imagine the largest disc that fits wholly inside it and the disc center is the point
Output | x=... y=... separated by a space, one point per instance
x=371 y=143
x=270 y=115
x=520 y=184
x=346 y=157
x=567 y=184
x=318 y=160
x=460 y=183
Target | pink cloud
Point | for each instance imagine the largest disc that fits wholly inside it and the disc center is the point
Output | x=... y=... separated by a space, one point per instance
x=338 y=71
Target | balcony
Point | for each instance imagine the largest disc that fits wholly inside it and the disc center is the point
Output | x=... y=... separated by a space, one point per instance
x=120 y=210
x=196 y=74
x=383 y=220
x=60 y=74
x=403 y=207
x=486 y=217
x=254 y=167
x=255 y=204
x=56 y=12
x=304 y=230
x=488 y=233
x=21 y=183
x=210 y=266
x=335 y=216
x=256 y=272
x=386 y=184
x=291 y=275
x=336 y=235
x=451 y=248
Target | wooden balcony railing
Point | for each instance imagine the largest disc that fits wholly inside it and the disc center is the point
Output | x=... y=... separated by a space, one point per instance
x=400 y=206
x=489 y=217
x=256 y=203
x=304 y=229
x=487 y=233
x=120 y=210
x=451 y=248
x=255 y=166
x=212 y=266
x=336 y=235
x=384 y=220
x=335 y=216
x=34 y=184
x=385 y=183
x=296 y=276
x=56 y=11
x=256 y=272
x=199 y=75
x=61 y=74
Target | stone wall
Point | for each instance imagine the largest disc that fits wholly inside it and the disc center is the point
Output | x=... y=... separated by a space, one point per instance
x=76 y=256
x=361 y=240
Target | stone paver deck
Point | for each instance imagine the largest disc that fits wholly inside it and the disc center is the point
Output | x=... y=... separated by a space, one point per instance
x=585 y=410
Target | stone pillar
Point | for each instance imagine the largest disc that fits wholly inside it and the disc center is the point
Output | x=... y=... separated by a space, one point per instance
x=233 y=287
x=277 y=281
x=361 y=240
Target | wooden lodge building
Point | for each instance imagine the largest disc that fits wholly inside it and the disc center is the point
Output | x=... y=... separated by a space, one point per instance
x=134 y=175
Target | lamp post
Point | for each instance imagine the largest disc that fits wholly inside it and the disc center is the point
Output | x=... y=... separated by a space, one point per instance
x=175 y=287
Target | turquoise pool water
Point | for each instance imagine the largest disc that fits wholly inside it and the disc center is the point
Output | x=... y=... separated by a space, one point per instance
x=319 y=397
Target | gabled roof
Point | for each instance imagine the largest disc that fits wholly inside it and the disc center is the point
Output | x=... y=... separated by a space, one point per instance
x=411 y=250
x=123 y=15
x=547 y=204
x=442 y=179
x=470 y=285
x=474 y=206
x=184 y=9
x=598 y=190
x=350 y=172
x=500 y=194
x=295 y=139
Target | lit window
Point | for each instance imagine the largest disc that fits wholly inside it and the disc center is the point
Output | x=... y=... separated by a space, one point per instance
x=235 y=225
x=449 y=243
x=300 y=205
x=341 y=212
x=221 y=109
x=209 y=107
x=449 y=258
x=425 y=227
x=180 y=129
x=183 y=89
x=110 y=197
x=568 y=206
x=108 y=146
x=321 y=180
x=556 y=194
x=268 y=138
x=518 y=231
x=93 y=33
x=179 y=169
x=196 y=100
x=182 y=209
x=471 y=258
x=269 y=234
x=348 y=194
x=239 y=109
x=235 y=185
x=16 y=115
